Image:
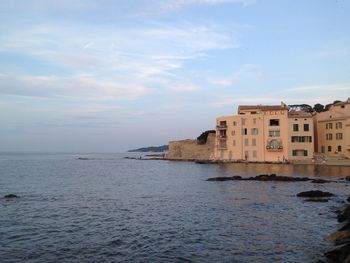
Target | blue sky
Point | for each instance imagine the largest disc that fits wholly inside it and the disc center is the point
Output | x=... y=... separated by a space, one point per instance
x=107 y=76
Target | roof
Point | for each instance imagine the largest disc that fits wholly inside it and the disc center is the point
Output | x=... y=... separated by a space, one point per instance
x=299 y=114
x=261 y=107
x=341 y=102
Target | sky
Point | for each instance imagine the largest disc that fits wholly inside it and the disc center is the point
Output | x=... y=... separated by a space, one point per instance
x=112 y=75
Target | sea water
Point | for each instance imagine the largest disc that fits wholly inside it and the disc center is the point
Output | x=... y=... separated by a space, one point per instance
x=109 y=209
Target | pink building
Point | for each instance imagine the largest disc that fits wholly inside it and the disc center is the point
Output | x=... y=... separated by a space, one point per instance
x=264 y=133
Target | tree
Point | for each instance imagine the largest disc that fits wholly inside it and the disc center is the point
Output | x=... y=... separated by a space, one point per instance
x=319 y=107
x=202 y=139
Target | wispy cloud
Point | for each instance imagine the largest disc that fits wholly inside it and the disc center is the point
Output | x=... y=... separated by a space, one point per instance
x=311 y=94
x=118 y=62
x=247 y=71
x=185 y=87
x=319 y=88
x=169 y=6
x=77 y=86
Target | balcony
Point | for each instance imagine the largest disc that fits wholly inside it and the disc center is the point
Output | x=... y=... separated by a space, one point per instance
x=274 y=145
x=221 y=147
x=221 y=127
x=274 y=149
x=221 y=137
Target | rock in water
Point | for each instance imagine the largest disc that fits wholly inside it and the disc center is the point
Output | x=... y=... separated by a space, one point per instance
x=11 y=196
x=339 y=236
x=315 y=193
x=318 y=200
x=344 y=213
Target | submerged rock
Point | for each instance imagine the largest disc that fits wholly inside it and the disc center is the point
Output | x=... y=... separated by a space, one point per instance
x=225 y=178
x=338 y=253
x=344 y=213
x=317 y=200
x=320 y=181
x=338 y=236
x=11 y=196
x=315 y=193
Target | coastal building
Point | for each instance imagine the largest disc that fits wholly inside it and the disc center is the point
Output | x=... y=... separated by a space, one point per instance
x=301 y=138
x=257 y=134
x=332 y=130
x=264 y=133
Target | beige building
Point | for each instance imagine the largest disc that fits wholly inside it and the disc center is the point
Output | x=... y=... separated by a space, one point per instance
x=264 y=134
x=333 y=130
x=301 y=135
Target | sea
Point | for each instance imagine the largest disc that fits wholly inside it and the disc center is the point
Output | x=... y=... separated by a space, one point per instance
x=104 y=208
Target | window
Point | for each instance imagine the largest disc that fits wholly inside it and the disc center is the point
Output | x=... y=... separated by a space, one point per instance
x=329 y=136
x=295 y=127
x=234 y=123
x=274 y=144
x=339 y=148
x=301 y=138
x=243 y=120
x=230 y=155
x=329 y=148
x=222 y=144
x=338 y=125
x=246 y=155
x=339 y=136
x=254 y=131
x=294 y=152
x=306 y=127
x=274 y=133
x=246 y=142
x=254 y=142
x=254 y=121
x=254 y=154
x=221 y=154
x=305 y=152
x=329 y=125
x=234 y=142
x=274 y=122
x=244 y=131
x=223 y=134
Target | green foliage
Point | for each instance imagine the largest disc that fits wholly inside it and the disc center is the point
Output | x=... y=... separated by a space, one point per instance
x=319 y=107
x=202 y=139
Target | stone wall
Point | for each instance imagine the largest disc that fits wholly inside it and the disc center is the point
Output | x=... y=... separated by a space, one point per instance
x=190 y=150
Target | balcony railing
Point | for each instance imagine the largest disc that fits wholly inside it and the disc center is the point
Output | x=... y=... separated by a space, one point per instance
x=221 y=147
x=221 y=136
x=274 y=148
x=222 y=126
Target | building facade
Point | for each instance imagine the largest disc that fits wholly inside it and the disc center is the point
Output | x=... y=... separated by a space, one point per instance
x=301 y=138
x=332 y=130
x=264 y=134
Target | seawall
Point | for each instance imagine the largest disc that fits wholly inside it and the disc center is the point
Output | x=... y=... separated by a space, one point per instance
x=191 y=150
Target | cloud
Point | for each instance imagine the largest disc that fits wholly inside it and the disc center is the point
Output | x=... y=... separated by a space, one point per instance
x=185 y=87
x=169 y=6
x=247 y=71
x=309 y=94
x=320 y=88
x=143 y=55
x=231 y=101
x=77 y=86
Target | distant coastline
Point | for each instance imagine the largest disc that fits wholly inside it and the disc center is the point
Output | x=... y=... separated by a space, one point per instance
x=162 y=148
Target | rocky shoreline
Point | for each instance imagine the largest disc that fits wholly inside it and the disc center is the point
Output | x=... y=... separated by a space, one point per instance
x=340 y=253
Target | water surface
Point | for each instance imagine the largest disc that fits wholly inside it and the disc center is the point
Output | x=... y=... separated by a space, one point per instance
x=109 y=209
